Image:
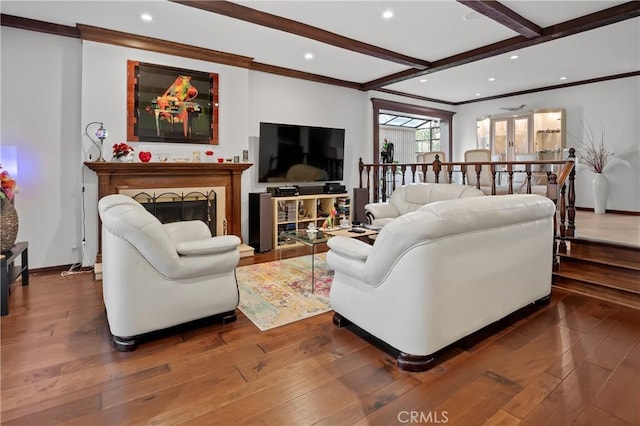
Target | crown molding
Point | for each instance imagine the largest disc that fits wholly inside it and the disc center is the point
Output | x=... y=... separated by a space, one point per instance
x=38 y=26
x=118 y=38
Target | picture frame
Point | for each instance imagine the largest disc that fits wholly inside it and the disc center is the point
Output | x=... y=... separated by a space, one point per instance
x=167 y=104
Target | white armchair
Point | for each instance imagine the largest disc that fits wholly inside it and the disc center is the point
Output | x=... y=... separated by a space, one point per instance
x=157 y=276
x=438 y=274
x=411 y=197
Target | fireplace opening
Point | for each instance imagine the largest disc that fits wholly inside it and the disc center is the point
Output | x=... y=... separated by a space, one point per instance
x=173 y=207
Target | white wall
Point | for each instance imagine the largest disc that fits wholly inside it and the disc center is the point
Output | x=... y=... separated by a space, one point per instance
x=40 y=123
x=613 y=104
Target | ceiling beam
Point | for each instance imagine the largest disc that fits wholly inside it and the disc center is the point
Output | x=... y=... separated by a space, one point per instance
x=592 y=21
x=505 y=16
x=268 y=20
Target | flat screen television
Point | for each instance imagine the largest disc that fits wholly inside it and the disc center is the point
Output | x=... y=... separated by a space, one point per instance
x=293 y=153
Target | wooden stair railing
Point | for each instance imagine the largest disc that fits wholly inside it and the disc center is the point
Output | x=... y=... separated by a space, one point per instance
x=380 y=182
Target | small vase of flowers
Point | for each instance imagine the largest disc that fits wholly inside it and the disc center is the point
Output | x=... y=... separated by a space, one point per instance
x=7 y=185
x=8 y=214
x=122 y=152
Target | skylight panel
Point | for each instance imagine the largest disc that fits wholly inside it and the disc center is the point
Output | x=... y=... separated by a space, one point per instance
x=414 y=123
x=385 y=118
x=398 y=121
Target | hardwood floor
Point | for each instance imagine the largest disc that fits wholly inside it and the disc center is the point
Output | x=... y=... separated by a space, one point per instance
x=573 y=362
x=617 y=228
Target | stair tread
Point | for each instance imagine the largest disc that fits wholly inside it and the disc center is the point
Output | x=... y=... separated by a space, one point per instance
x=601 y=260
x=600 y=292
x=604 y=251
x=625 y=281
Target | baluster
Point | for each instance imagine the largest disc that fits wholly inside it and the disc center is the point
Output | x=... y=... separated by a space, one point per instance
x=393 y=178
x=552 y=193
x=510 y=177
x=492 y=168
x=571 y=208
x=437 y=167
x=384 y=183
x=374 y=197
x=478 y=172
x=563 y=210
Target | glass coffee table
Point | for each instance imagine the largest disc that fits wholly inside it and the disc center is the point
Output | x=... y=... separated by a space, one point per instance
x=311 y=239
x=319 y=236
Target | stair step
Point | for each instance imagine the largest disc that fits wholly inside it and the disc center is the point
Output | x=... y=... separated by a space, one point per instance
x=597 y=273
x=600 y=269
x=613 y=262
x=605 y=252
x=597 y=291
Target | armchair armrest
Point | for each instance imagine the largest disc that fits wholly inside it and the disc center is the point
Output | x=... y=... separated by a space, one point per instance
x=381 y=210
x=188 y=230
x=208 y=246
x=348 y=256
x=350 y=247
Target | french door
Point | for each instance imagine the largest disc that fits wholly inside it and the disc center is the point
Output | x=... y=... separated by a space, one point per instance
x=511 y=136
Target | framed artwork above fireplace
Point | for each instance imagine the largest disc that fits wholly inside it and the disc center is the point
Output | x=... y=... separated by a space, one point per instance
x=166 y=104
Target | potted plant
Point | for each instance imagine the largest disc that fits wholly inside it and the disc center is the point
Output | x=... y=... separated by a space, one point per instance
x=122 y=152
x=386 y=154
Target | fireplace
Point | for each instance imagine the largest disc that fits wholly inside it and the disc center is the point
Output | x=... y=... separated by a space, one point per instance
x=177 y=204
x=114 y=177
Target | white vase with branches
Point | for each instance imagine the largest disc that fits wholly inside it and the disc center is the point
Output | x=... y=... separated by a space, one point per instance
x=593 y=154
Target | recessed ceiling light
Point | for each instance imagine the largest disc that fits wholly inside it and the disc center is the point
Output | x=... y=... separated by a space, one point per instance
x=492 y=79
x=146 y=17
x=563 y=78
x=477 y=94
x=513 y=57
x=423 y=80
x=471 y=16
x=387 y=14
x=308 y=56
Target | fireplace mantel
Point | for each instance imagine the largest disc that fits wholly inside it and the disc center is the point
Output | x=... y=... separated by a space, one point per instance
x=113 y=175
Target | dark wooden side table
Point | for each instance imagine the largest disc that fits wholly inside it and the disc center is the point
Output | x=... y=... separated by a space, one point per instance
x=9 y=272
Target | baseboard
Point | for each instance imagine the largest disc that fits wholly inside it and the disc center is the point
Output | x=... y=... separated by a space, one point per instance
x=58 y=268
x=627 y=212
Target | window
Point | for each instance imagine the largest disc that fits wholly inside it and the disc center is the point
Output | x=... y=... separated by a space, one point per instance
x=428 y=136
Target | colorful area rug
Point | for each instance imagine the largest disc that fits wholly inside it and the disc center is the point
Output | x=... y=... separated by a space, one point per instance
x=277 y=293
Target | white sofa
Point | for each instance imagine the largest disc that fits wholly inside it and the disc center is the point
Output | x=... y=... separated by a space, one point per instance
x=156 y=276
x=411 y=197
x=440 y=273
